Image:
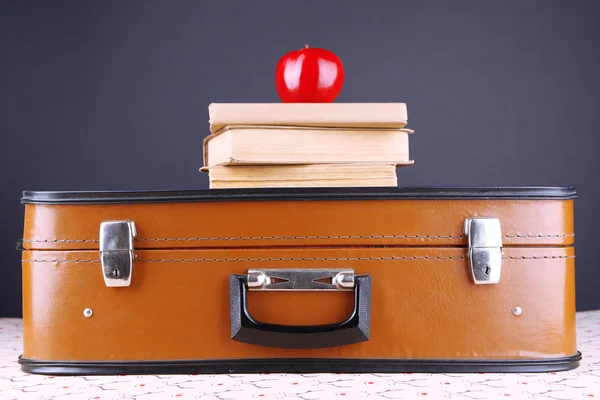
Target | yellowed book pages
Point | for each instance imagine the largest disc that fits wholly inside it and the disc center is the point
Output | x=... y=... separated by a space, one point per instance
x=302 y=172
x=244 y=145
x=349 y=115
x=383 y=182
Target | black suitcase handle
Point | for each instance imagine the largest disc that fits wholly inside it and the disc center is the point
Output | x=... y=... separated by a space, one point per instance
x=246 y=329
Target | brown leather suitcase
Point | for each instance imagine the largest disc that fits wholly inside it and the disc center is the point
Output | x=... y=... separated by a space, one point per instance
x=299 y=280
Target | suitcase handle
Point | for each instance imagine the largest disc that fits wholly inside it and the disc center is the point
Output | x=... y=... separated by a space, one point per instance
x=246 y=329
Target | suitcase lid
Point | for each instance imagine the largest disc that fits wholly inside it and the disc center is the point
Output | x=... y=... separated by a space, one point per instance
x=405 y=216
x=116 y=224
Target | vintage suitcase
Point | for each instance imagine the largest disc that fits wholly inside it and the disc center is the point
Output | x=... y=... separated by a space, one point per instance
x=299 y=280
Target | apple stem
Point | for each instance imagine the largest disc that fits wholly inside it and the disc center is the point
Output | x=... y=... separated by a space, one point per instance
x=306 y=46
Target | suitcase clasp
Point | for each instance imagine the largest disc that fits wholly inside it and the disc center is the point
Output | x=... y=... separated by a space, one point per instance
x=116 y=252
x=485 y=249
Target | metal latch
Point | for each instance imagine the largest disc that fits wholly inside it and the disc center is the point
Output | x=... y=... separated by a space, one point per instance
x=300 y=279
x=116 y=252
x=485 y=249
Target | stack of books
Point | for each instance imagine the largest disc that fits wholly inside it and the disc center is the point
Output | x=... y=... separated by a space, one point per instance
x=254 y=145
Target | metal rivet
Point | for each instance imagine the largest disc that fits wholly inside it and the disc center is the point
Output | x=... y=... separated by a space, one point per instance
x=87 y=312
x=517 y=311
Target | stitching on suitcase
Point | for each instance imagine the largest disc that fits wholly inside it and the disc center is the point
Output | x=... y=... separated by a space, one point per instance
x=349 y=237
x=534 y=257
x=305 y=259
x=62 y=241
x=540 y=236
x=304 y=237
x=267 y=259
x=63 y=261
x=296 y=237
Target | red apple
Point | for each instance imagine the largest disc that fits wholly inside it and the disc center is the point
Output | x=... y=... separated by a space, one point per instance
x=309 y=75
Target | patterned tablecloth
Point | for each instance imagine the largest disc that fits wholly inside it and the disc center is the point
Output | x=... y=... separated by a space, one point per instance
x=583 y=382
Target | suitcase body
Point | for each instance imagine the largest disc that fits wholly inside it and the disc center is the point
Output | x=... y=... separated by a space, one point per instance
x=299 y=280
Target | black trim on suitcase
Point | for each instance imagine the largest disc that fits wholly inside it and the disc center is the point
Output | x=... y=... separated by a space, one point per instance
x=244 y=328
x=278 y=194
x=297 y=365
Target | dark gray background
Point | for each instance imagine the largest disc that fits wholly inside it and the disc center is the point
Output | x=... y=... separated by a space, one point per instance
x=113 y=95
